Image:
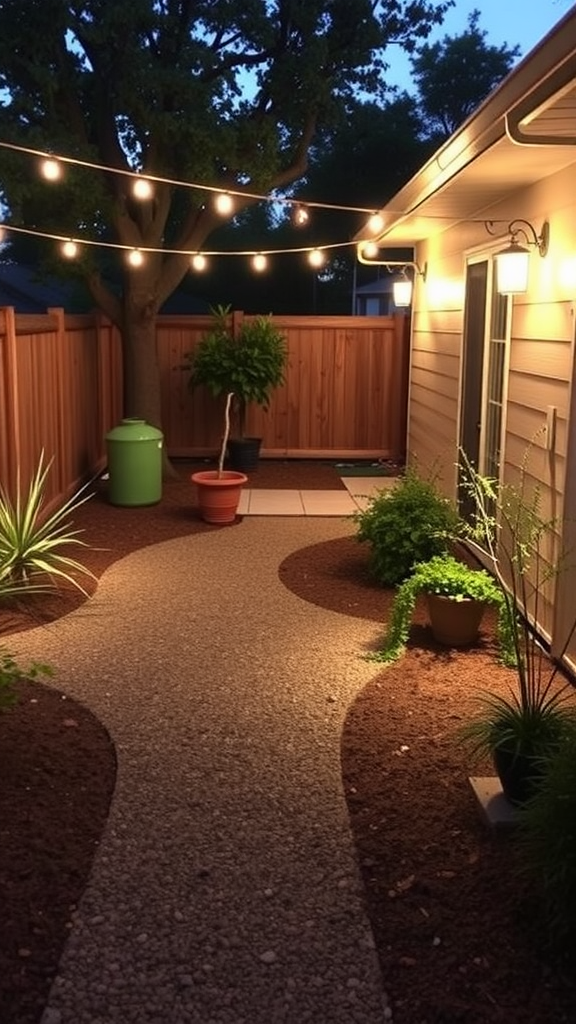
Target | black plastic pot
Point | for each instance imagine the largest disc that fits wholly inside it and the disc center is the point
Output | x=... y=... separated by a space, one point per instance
x=519 y=774
x=244 y=453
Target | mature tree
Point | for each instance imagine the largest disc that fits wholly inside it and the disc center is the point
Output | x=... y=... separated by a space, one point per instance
x=362 y=161
x=226 y=93
x=456 y=73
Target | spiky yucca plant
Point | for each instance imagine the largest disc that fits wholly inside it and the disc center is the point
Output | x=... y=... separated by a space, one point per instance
x=32 y=545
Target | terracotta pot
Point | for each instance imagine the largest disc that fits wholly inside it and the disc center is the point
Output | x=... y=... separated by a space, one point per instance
x=454 y=623
x=219 y=496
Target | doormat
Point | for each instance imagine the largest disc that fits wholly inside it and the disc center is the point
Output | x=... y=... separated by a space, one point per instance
x=367 y=468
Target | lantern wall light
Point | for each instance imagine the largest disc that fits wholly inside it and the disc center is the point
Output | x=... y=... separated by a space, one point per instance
x=402 y=286
x=512 y=262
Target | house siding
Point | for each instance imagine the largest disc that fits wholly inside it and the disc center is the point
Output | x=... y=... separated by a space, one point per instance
x=540 y=370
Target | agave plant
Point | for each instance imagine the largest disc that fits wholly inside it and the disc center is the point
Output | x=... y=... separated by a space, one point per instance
x=32 y=545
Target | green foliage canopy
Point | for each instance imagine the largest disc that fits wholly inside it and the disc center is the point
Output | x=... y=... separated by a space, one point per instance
x=456 y=73
x=227 y=93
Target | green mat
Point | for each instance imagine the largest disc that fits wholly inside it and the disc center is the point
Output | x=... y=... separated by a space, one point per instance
x=353 y=469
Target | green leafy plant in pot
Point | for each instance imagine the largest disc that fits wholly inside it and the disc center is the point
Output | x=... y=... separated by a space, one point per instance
x=248 y=363
x=457 y=596
x=519 y=731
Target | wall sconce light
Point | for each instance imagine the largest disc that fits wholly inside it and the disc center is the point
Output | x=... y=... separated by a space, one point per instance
x=403 y=285
x=512 y=262
x=402 y=291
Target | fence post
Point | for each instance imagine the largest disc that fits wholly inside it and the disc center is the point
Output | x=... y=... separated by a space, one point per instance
x=12 y=441
x=237 y=318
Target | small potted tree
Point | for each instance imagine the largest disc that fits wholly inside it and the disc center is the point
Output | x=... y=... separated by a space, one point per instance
x=219 y=489
x=248 y=364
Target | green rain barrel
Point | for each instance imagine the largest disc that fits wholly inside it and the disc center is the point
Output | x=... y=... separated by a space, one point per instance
x=134 y=451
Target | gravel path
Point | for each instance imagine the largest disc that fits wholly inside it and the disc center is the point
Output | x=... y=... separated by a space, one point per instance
x=225 y=889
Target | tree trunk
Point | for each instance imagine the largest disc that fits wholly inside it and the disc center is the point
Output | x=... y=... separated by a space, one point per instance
x=142 y=390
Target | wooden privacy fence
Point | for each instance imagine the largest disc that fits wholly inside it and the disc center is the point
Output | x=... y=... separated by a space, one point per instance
x=345 y=393
x=60 y=392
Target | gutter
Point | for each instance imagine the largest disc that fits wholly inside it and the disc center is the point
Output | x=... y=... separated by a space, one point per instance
x=529 y=88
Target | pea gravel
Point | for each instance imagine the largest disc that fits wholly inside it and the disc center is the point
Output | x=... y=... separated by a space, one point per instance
x=225 y=889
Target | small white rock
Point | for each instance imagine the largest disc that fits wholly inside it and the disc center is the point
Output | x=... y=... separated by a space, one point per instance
x=269 y=957
x=51 y=1016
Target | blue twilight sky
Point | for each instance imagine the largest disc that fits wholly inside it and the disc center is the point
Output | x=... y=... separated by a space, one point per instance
x=514 y=22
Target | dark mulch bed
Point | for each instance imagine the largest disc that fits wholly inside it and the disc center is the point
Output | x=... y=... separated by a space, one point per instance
x=457 y=926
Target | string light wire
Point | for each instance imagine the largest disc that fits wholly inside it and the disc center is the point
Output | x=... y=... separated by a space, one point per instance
x=176 y=252
x=243 y=193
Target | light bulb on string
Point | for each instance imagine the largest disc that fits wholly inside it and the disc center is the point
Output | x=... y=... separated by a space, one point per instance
x=51 y=169
x=198 y=262
x=300 y=216
x=224 y=203
x=135 y=258
x=69 y=249
x=316 y=258
x=259 y=262
x=370 y=250
x=376 y=223
x=142 y=188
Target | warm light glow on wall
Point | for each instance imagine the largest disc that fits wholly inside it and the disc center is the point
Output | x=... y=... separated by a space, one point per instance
x=567 y=275
x=445 y=293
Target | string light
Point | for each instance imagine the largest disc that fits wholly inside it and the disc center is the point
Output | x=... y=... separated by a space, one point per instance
x=51 y=169
x=316 y=258
x=300 y=216
x=201 y=186
x=69 y=249
x=142 y=188
x=376 y=223
x=259 y=262
x=224 y=204
x=370 y=250
x=135 y=258
x=198 y=262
